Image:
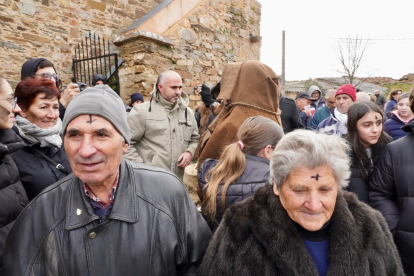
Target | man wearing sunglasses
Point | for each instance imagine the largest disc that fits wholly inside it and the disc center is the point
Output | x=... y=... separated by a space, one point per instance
x=42 y=68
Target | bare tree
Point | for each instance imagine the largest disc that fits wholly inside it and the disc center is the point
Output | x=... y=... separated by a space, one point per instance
x=351 y=53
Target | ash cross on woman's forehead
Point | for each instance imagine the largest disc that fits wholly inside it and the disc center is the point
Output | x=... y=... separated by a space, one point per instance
x=316 y=177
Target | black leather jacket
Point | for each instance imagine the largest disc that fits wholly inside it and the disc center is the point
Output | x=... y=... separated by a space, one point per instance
x=153 y=229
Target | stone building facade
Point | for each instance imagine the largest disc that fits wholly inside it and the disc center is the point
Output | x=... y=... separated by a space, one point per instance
x=149 y=35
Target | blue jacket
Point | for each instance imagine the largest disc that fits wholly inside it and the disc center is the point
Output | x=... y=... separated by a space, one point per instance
x=306 y=120
x=330 y=125
x=393 y=127
x=320 y=115
x=254 y=177
x=389 y=107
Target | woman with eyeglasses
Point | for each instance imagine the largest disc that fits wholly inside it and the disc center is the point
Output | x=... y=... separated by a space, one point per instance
x=40 y=68
x=13 y=198
x=242 y=168
x=43 y=160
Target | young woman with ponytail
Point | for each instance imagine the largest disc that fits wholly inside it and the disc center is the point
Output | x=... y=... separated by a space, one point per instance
x=242 y=169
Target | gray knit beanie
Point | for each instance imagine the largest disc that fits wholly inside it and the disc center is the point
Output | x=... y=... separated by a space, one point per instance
x=102 y=101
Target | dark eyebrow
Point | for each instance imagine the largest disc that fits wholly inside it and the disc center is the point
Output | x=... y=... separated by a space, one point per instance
x=73 y=131
x=103 y=131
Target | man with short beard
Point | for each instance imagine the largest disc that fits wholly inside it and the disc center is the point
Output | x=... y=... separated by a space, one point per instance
x=345 y=96
x=380 y=101
x=164 y=131
x=111 y=216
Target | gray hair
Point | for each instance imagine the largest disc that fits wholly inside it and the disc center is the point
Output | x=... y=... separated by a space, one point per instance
x=329 y=92
x=304 y=148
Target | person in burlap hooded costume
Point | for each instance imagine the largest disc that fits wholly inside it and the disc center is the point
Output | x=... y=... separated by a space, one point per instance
x=248 y=89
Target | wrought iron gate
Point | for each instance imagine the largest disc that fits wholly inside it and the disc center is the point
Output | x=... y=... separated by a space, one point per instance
x=90 y=59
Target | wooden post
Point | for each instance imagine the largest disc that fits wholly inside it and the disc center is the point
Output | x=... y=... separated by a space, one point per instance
x=283 y=62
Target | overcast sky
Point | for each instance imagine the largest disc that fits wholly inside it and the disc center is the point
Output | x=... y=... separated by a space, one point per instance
x=312 y=29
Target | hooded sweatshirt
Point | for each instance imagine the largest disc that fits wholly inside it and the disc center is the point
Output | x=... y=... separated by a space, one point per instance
x=161 y=131
x=320 y=102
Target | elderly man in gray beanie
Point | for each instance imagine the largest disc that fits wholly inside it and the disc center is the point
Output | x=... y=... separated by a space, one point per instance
x=111 y=216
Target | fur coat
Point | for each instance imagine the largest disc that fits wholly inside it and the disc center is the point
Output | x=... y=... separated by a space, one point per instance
x=257 y=237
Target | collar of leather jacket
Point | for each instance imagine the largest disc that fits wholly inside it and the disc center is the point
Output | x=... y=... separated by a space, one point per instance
x=79 y=211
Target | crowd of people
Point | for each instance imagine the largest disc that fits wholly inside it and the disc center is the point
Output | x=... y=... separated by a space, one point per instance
x=90 y=185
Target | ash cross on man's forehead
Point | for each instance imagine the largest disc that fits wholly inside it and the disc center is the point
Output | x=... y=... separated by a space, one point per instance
x=316 y=177
x=90 y=120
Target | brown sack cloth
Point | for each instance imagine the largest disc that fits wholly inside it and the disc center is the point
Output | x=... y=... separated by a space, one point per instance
x=190 y=181
x=248 y=89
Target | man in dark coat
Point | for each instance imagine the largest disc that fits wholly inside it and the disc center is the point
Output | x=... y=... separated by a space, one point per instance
x=111 y=216
x=380 y=101
x=290 y=115
x=391 y=191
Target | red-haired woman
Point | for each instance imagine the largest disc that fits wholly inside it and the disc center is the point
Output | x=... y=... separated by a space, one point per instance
x=43 y=161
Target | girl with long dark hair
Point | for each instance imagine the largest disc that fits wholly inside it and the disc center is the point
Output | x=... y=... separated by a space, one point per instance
x=242 y=169
x=367 y=138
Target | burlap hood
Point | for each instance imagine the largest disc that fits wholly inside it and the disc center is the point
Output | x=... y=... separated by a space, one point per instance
x=254 y=82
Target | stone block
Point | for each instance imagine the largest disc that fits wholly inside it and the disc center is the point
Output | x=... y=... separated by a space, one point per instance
x=244 y=33
x=26 y=8
x=139 y=56
x=6 y=19
x=196 y=69
x=207 y=45
x=7 y=44
x=184 y=74
x=64 y=3
x=217 y=46
x=73 y=22
x=204 y=62
x=36 y=38
x=121 y=13
x=192 y=19
x=182 y=62
x=213 y=78
x=212 y=72
x=95 y=5
x=234 y=10
x=204 y=77
x=209 y=56
x=188 y=35
x=165 y=53
x=65 y=48
x=139 y=68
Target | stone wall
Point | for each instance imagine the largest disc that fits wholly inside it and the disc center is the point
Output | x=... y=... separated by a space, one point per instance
x=51 y=29
x=198 y=47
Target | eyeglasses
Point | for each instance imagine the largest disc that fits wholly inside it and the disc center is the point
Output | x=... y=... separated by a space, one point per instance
x=12 y=101
x=49 y=76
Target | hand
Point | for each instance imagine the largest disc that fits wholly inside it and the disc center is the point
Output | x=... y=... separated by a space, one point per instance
x=184 y=159
x=70 y=92
x=307 y=111
x=206 y=96
x=197 y=90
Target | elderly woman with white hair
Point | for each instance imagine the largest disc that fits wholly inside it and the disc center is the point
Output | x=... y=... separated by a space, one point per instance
x=304 y=223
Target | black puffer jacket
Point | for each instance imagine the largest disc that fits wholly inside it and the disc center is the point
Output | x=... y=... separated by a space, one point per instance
x=391 y=191
x=254 y=176
x=36 y=173
x=153 y=229
x=357 y=184
x=12 y=195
